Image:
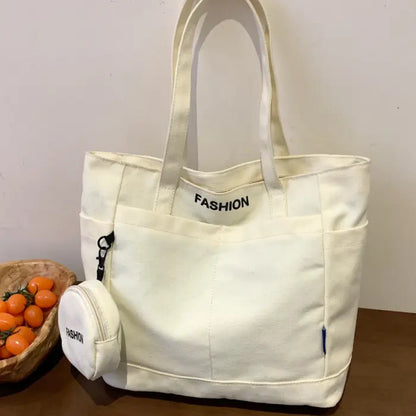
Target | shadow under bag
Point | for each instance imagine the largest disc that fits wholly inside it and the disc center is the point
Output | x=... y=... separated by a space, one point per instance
x=241 y=283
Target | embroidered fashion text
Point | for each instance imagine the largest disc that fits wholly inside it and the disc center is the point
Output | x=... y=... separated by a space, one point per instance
x=222 y=206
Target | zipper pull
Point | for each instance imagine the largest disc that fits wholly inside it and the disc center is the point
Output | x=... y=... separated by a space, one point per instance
x=104 y=244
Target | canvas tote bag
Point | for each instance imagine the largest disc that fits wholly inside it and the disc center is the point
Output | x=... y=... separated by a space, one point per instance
x=241 y=283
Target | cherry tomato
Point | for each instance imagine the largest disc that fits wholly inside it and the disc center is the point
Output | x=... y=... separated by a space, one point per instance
x=4 y=352
x=25 y=332
x=40 y=283
x=16 y=304
x=19 y=319
x=45 y=299
x=7 y=321
x=3 y=306
x=33 y=316
x=16 y=344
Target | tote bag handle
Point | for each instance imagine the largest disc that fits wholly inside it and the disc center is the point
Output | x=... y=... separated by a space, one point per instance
x=280 y=147
x=174 y=157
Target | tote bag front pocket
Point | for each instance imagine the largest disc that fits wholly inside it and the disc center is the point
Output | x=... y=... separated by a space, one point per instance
x=223 y=306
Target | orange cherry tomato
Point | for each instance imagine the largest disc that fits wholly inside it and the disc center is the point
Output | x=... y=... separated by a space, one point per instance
x=45 y=299
x=16 y=344
x=39 y=283
x=4 y=352
x=16 y=304
x=33 y=316
x=19 y=319
x=25 y=332
x=3 y=306
x=7 y=321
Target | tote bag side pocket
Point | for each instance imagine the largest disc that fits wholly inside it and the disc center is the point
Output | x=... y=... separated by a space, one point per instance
x=344 y=251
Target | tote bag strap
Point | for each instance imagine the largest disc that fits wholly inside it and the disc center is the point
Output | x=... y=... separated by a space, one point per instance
x=280 y=147
x=174 y=157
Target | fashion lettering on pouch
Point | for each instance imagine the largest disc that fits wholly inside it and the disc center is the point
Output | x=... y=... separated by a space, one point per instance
x=222 y=206
x=75 y=335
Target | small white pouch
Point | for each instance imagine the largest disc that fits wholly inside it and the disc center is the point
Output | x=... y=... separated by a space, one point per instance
x=89 y=323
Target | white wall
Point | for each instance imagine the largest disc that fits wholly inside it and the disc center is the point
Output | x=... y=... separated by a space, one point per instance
x=79 y=75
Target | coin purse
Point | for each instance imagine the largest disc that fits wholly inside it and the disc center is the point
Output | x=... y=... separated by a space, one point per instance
x=89 y=324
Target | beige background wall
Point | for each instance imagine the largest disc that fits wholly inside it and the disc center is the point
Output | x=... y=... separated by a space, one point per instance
x=79 y=75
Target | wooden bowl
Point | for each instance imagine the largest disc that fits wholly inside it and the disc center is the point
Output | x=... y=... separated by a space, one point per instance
x=14 y=275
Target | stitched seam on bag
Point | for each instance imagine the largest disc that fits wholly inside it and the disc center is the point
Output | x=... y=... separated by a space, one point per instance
x=109 y=264
x=324 y=318
x=363 y=162
x=244 y=186
x=213 y=281
x=87 y=217
x=118 y=193
x=237 y=382
x=155 y=217
x=357 y=245
x=95 y=154
x=217 y=239
x=285 y=184
x=346 y=230
x=107 y=340
x=210 y=318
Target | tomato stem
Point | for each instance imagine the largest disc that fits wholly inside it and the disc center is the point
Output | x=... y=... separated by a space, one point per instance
x=5 y=334
x=22 y=291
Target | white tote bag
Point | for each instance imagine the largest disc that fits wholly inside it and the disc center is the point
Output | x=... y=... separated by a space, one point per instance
x=241 y=283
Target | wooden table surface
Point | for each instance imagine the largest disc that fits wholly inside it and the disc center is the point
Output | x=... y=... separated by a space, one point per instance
x=381 y=381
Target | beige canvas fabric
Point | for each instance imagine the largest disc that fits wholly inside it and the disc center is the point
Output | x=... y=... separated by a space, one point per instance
x=241 y=283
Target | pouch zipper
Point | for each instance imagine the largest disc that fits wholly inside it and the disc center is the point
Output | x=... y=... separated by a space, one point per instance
x=104 y=244
x=103 y=334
